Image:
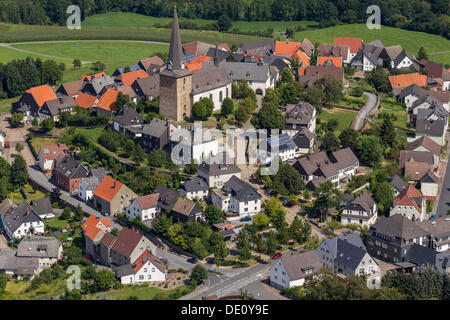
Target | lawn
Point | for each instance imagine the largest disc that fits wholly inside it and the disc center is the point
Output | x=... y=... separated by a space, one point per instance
x=37 y=143
x=344 y=117
x=411 y=41
x=143 y=293
x=398 y=111
x=5 y=104
x=16 y=197
x=57 y=223
x=17 y=291
x=92 y=133
x=32 y=194
x=7 y=54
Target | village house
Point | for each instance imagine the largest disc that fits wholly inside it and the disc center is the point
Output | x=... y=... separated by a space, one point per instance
x=68 y=172
x=299 y=116
x=49 y=155
x=52 y=108
x=167 y=197
x=330 y=50
x=87 y=185
x=144 y=208
x=151 y=65
x=338 y=167
x=304 y=141
x=410 y=94
x=286 y=48
x=354 y=45
x=266 y=46
x=438 y=73
x=293 y=270
x=401 y=81
x=71 y=89
x=20 y=267
x=425 y=102
x=391 y=238
x=218 y=170
x=86 y=101
x=112 y=197
x=398 y=184
x=94 y=229
x=421 y=259
x=48 y=250
x=43 y=208
x=346 y=255
x=147 y=88
x=429 y=185
x=146 y=268
x=107 y=103
x=410 y=203
x=156 y=135
x=185 y=210
x=410 y=157
x=369 y=57
x=21 y=221
x=318 y=72
x=195 y=188
x=128 y=118
x=32 y=100
x=277 y=146
x=439 y=231
x=433 y=123
x=96 y=84
x=426 y=144
x=362 y=210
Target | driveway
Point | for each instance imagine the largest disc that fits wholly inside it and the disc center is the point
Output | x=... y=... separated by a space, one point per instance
x=365 y=111
x=15 y=136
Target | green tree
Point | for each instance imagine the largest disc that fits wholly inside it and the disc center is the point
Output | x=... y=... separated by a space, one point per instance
x=98 y=66
x=199 y=274
x=3 y=281
x=261 y=220
x=199 y=110
x=104 y=280
x=220 y=251
x=17 y=120
x=224 y=23
x=422 y=54
x=47 y=125
x=76 y=63
x=329 y=143
x=271 y=243
x=66 y=213
x=191 y=168
x=369 y=149
x=378 y=78
x=156 y=158
x=227 y=107
x=269 y=117
x=384 y=195
x=163 y=224
x=78 y=214
x=348 y=137
x=287 y=180
x=244 y=254
x=387 y=132
x=139 y=154
x=275 y=210
x=327 y=196
x=129 y=148
x=286 y=75
x=19 y=147
x=213 y=214
x=19 y=172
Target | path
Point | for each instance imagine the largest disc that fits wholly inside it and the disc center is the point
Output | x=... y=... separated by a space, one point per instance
x=365 y=111
x=436 y=53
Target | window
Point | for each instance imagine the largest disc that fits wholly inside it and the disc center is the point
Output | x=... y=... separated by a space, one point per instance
x=149 y=276
x=141 y=277
x=153 y=269
x=220 y=96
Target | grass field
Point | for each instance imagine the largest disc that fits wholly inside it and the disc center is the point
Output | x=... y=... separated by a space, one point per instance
x=143 y=293
x=32 y=194
x=18 y=291
x=411 y=41
x=57 y=223
x=344 y=118
x=398 y=112
x=92 y=134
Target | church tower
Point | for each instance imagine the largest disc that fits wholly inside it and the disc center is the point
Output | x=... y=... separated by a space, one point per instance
x=175 y=84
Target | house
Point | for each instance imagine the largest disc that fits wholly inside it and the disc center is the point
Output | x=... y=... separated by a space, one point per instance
x=393 y=52
x=442 y=96
x=112 y=196
x=280 y=145
x=391 y=238
x=301 y=57
x=299 y=116
x=129 y=91
x=433 y=123
x=96 y=84
x=415 y=171
x=43 y=208
x=48 y=250
x=87 y=185
x=21 y=221
x=369 y=57
x=52 y=108
x=49 y=155
x=439 y=231
x=362 y=210
x=425 y=102
x=398 y=82
x=338 y=167
x=426 y=144
x=437 y=72
x=212 y=81
x=128 y=78
x=198 y=48
x=307 y=47
x=410 y=94
x=286 y=48
x=147 y=88
x=94 y=229
x=152 y=64
x=267 y=46
x=20 y=267
x=329 y=50
x=107 y=103
x=71 y=89
x=86 y=101
x=167 y=197
x=335 y=61
x=325 y=71
x=354 y=45
x=398 y=184
x=405 y=60
x=127 y=118
x=429 y=185
x=195 y=188
x=238 y=199
x=156 y=135
x=304 y=141
x=294 y=270
x=423 y=258
x=257 y=75
x=88 y=78
x=346 y=255
x=197 y=63
x=33 y=99
x=68 y=172
x=410 y=203
x=144 y=208
x=123 y=70
x=416 y=156
x=218 y=171
x=185 y=210
x=146 y=268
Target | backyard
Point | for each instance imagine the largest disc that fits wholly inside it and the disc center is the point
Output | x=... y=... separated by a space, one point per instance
x=344 y=117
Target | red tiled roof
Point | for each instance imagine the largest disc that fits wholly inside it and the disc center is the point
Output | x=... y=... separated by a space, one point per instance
x=108 y=188
x=286 y=47
x=85 y=101
x=90 y=226
x=97 y=75
x=152 y=60
x=42 y=94
x=405 y=197
x=108 y=100
x=301 y=56
x=301 y=71
x=225 y=46
x=201 y=59
x=336 y=61
x=52 y=150
x=355 y=44
x=405 y=80
x=148 y=201
x=129 y=77
x=193 y=66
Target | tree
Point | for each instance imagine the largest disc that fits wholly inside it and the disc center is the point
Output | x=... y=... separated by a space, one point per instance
x=66 y=213
x=261 y=220
x=191 y=168
x=156 y=158
x=378 y=78
x=224 y=23
x=199 y=110
x=19 y=172
x=213 y=214
x=384 y=195
x=422 y=54
x=299 y=230
x=163 y=224
x=286 y=75
x=387 y=132
x=129 y=147
x=17 y=120
x=47 y=125
x=269 y=117
x=19 y=147
x=329 y=143
x=98 y=66
x=199 y=274
x=227 y=107
x=121 y=101
x=76 y=63
x=242 y=113
x=275 y=210
x=271 y=243
x=104 y=280
x=287 y=180
x=332 y=125
x=209 y=105
x=244 y=254
x=348 y=137
x=220 y=251
x=327 y=196
x=369 y=149
x=332 y=89
x=139 y=154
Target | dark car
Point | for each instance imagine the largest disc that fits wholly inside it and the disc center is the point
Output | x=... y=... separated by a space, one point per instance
x=193 y=260
x=277 y=256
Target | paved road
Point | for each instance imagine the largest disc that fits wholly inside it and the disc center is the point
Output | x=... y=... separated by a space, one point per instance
x=365 y=111
x=444 y=197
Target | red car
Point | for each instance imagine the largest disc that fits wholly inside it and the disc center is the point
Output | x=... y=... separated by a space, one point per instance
x=277 y=255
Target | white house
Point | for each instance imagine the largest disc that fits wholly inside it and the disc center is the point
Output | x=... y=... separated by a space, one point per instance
x=410 y=203
x=362 y=210
x=429 y=185
x=281 y=146
x=195 y=188
x=304 y=141
x=22 y=221
x=49 y=155
x=144 y=207
x=146 y=268
x=293 y=270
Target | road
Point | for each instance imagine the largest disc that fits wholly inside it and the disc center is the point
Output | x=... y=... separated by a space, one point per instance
x=365 y=111
x=444 y=197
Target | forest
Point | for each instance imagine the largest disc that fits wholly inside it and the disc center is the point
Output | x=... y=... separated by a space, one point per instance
x=430 y=16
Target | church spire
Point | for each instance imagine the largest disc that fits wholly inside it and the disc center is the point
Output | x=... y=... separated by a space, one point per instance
x=175 y=51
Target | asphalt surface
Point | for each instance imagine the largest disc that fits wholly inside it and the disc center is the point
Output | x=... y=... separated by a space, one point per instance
x=365 y=111
x=444 y=198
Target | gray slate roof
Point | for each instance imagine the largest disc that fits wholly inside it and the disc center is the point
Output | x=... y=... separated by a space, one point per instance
x=349 y=255
x=209 y=77
x=427 y=257
x=42 y=206
x=398 y=226
x=240 y=190
x=195 y=185
x=39 y=247
x=156 y=128
x=300 y=113
x=297 y=264
x=258 y=72
x=15 y=217
x=361 y=202
x=129 y=117
x=71 y=168
x=398 y=183
x=167 y=197
x=257 y=44
x=303 y=138
x=213 y=168
x=332 y=243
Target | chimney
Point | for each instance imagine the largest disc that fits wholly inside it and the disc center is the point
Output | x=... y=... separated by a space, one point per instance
x=114 y=184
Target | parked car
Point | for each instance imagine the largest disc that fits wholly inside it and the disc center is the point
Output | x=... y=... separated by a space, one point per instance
x=277 y=256
x=7 y=145
x=244 y=219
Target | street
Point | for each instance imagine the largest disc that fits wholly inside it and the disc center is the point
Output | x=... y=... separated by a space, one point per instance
x=365 y=110
x=444 y=197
